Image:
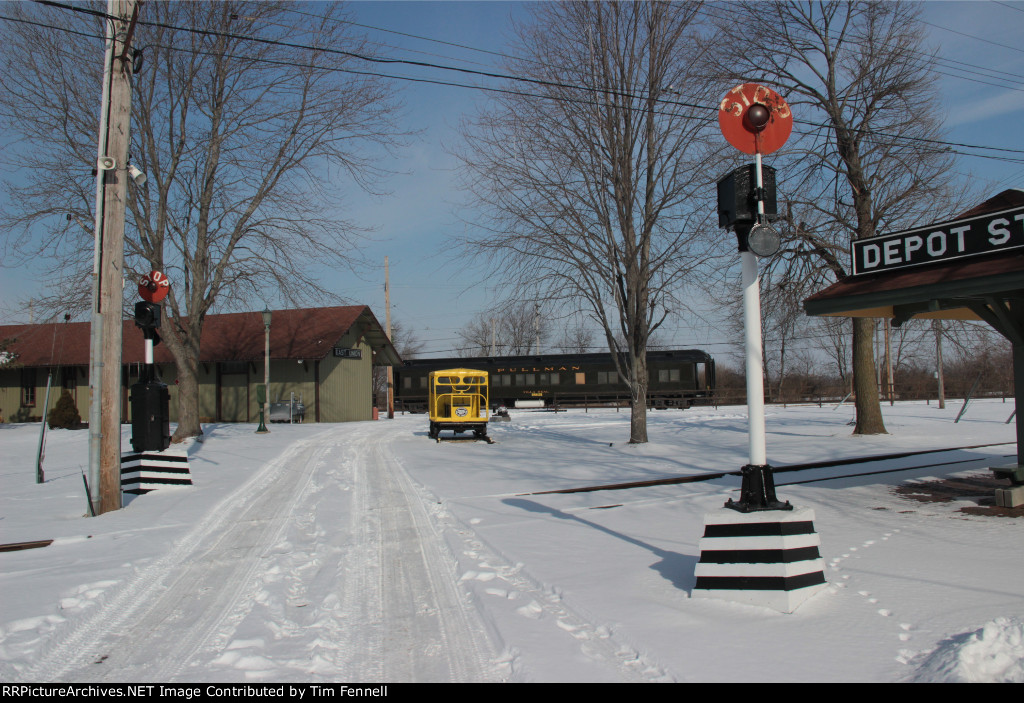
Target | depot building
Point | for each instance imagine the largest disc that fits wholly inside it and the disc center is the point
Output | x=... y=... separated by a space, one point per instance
x=324 y=356
x=969 y=268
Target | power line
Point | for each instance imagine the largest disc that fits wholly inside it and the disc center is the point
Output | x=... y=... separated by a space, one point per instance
x=971 y=36
x=503 y=76
x=1004 y=4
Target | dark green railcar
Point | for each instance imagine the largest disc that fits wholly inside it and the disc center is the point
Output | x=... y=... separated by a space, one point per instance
x=676 y=379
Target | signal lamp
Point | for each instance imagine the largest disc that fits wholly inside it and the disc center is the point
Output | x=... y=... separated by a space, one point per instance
x=757 y=117
x=147 y=315
x=763 y=240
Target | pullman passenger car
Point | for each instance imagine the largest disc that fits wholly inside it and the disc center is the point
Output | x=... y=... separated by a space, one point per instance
x=677 y=378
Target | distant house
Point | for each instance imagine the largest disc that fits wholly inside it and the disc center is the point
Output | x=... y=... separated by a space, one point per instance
x=325 y=356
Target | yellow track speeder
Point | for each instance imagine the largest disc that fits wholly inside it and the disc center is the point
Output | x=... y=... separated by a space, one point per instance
x=457 y=400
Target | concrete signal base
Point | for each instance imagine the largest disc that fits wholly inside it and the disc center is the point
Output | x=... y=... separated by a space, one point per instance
x=142 y=472
x=768 y=558
x=1012 y=497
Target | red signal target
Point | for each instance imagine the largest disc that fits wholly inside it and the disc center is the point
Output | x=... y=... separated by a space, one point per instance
x=744 y=124
x=154 y=287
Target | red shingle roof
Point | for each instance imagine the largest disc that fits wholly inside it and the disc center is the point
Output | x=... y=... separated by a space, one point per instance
x=294 y=334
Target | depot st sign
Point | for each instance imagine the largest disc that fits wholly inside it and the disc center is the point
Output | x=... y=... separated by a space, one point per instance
x=974 y=236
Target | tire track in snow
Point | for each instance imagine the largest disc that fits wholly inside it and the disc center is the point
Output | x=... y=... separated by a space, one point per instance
x=315 y=612
x=432 y=632
x=257 y=562
x=122 y=639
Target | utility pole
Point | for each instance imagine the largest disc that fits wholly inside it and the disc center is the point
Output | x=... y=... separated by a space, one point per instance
x=888 y=363
x=387 y=322
x=536 y=327
x=112 y=192
x=937 y=326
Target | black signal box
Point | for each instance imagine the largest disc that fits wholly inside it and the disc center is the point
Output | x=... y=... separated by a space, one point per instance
x=151 y=428
x=737 y=201
x=147 y=315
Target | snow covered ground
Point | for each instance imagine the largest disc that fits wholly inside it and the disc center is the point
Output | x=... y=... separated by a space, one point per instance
x=366 y=552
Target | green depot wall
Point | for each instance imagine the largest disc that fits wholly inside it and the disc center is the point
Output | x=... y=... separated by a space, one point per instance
x=346 y=385
x=287 y=376
x=345 y=394
x=11 y=409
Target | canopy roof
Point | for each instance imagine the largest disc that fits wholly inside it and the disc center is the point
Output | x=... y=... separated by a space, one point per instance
x=981 y=288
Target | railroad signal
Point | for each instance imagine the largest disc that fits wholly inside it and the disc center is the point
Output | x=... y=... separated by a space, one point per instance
x=738 y=196
x=755 y=119
x=763 y=240
x=147 y=315
x=154 y=287
x=150 y=397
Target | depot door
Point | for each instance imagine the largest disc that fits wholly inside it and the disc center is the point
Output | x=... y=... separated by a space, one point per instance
x=234 y=395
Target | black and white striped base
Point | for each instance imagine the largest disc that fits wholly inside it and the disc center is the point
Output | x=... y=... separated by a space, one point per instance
x=768 y=558
x=142 y=472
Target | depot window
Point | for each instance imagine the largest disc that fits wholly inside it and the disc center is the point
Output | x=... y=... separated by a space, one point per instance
x=28 y=387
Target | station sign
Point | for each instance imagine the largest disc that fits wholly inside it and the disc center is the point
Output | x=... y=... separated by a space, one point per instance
x=348 y=353
x=944 y=241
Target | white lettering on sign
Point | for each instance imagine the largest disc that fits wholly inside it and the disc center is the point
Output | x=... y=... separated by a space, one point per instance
x=872 y=256
x=892 y=255
x=997 y=228
x=975 y=236
x=959 y=232
x=910 y=245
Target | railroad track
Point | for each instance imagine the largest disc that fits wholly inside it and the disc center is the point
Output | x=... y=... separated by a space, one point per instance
x=788 y=468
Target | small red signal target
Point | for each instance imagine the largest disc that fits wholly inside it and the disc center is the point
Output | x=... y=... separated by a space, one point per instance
x=154 y=287
x=755 y=119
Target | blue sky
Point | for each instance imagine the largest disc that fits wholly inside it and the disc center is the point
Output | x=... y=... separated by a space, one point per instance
x=415 y=221
x=425 y=287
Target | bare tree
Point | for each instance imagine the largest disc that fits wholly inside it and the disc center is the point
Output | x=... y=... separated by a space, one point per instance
x=858 y=78
x=249 y=121
x=408 y=346
x=576 y=340
x=405 y=341
x=589 y=174
x=783 y=324
x=514 y=330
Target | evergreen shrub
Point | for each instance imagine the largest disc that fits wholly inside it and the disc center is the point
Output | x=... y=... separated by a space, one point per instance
x=65 y=415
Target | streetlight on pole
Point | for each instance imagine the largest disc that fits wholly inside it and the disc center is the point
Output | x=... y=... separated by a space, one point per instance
x=265 y=400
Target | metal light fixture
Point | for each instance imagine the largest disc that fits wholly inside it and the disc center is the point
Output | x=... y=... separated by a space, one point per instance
x=763 y=240
x=137 y=175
